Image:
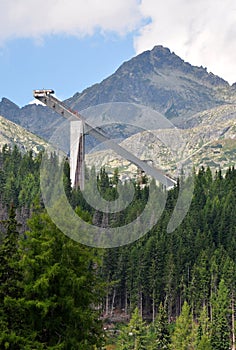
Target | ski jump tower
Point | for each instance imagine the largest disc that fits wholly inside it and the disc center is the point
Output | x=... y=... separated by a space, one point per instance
x=76 y=135
x=77 y=151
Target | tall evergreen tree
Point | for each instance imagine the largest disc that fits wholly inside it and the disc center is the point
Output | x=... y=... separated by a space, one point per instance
x=183 y=337
x=10 y=291
x=203 y=331
x=161 y=330
x=220 y=336
x=60 y=290
x=134 y=336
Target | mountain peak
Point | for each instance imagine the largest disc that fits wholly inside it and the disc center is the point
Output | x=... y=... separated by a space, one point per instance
x=8 y=107
x=161 y=50
x=160 y=79
x=8 y=104
x=156 y=78
x=160 y=60
x=165 y=59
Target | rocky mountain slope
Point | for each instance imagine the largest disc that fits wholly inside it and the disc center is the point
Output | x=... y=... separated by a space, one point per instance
x=173 y=93
x=211 y=142
x=37 y=119
x=13 y=134
x=163 y=81
x=158 y=79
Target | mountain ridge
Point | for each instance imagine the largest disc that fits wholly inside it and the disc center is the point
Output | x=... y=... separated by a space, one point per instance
x=156 y=78
x=186 y=95
x=211 y=144
x=12 y=134
x=161 y=80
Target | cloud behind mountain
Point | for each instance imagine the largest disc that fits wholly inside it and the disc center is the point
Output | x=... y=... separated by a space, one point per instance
x=201 y=32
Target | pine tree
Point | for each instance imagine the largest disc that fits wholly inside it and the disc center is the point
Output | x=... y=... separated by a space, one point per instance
x=9 y=271
x=134 y=336
x=220 y=337
x=60 y=290
x=204 y=344
x=203 y=332
x=10 y=291
x=161 y=330
x=199 y=289
x=183 y=337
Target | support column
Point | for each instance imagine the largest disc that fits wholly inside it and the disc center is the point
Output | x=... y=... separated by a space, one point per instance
x=77 y=154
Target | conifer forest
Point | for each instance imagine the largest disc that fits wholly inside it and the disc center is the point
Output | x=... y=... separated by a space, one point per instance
x=167 y=290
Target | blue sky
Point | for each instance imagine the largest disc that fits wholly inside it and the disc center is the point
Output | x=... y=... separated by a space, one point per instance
x=68 y=45
x=65 y=64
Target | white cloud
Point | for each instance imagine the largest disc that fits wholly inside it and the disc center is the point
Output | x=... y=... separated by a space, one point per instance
x=203 y=32
x=27 y=18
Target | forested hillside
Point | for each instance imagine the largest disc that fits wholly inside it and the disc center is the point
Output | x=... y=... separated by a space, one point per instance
x=49 y=286
x=194 y=265
x=165 y=291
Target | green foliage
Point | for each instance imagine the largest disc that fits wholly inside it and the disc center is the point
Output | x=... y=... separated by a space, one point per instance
x=220 y=336
x=43 y=273
x=9 y=255
x=161 y=330
x=183 y=337
x=49 y=284
x=19 y=177
x=10 y=276
x=203 y=331
x=134 y=335
x=60 y=287
x=204 y=344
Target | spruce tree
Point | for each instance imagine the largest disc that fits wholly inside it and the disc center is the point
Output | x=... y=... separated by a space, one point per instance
x=161 y=330
x=60 y=289
x=203 y=332
x=220 y=336
x=10 y=291
x=183 y=337
x=134 y=336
